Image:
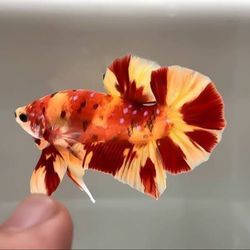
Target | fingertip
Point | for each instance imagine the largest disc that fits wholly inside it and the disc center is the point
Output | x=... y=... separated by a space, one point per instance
x=33 y=210
x=63 y=224
x=39 y=222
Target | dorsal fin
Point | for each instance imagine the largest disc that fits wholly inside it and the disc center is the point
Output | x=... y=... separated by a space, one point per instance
x=129 y=77
x=158 y=84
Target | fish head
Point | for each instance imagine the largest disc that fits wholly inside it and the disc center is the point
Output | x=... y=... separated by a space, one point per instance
x=32 y=119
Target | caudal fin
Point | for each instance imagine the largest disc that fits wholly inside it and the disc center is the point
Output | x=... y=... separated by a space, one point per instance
x=194 y=108
x=194 y=113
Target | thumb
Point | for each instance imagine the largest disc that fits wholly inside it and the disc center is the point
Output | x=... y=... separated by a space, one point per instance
x=38 y=222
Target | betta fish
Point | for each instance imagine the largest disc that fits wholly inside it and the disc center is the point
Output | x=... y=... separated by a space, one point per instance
x=153 y=120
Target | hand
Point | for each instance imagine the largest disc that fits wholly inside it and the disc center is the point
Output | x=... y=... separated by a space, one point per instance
x=38 y=222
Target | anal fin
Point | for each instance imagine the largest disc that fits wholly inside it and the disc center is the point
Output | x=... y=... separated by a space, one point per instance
x=139 y=166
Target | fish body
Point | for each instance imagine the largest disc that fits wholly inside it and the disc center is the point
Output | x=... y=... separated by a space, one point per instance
x=153 y=120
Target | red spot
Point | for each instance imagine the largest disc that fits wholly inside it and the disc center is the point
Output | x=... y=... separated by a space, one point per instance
x=63 y=114
x=37 y=141
x=205 y=139
x=206 y=110
x=85 y=125
x=159 y=85
x=47 y=135
x=94 y=137
x=47 y=159
x=107 y=157
x=95 y=106
x=83 y=104
x=127 y=89
x=172 y=156
x=148 y=174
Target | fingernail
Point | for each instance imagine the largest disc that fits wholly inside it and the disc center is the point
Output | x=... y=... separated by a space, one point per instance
x=32 y=211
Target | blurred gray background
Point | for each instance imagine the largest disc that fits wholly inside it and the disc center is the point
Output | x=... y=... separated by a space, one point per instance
x=44 y=50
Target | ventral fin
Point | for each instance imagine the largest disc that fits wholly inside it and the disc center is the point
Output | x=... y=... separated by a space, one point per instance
x=138 y=166
x=73 y=158
x=129 y=77
x=80 y=183
x=48 y=172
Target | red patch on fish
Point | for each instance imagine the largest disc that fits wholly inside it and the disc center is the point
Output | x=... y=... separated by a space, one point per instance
x=205 y=139
x=47 y=160
x=148 y=174
x=172 y=156
x=107 y=157
x=128 y=90
x=159 y=85
x=205 y=111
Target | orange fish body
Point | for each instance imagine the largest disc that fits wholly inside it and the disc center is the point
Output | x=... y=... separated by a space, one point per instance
x=152 y=121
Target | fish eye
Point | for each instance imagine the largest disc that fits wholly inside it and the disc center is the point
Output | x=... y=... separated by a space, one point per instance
x=23 y=117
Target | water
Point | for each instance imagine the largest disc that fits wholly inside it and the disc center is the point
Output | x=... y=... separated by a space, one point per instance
x=41 y=52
